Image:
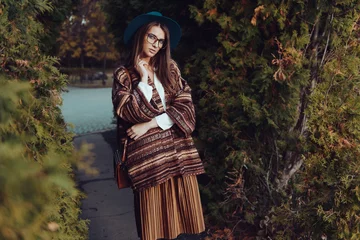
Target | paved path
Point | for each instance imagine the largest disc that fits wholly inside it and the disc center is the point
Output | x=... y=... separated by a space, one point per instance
x=109 y=210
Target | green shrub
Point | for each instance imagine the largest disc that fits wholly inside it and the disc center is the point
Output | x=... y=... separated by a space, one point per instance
x=38 y=195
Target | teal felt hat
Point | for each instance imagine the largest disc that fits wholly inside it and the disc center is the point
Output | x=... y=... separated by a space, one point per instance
x=136 y=23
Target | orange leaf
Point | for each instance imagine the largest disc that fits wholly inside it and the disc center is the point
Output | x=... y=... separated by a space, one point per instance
x=257 y=12
x=212 y=12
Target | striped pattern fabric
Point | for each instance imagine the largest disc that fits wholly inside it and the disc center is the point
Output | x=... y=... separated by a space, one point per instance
x=181 y=110
x=171 y=208
x=155 y=96
x=159 y=154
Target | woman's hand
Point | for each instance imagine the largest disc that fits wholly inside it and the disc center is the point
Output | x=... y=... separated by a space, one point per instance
x=140 y=129
x=141 y=68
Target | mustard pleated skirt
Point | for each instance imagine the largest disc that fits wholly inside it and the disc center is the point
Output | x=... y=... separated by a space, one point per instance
x=169 y=209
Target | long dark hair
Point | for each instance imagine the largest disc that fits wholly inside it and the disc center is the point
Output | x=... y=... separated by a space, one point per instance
x=160 y=62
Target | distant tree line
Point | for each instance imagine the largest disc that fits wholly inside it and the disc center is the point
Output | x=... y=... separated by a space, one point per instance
x=84 y=40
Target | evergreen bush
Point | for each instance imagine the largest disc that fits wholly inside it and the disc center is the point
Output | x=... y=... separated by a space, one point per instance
x=278 y=111
x=38 y=195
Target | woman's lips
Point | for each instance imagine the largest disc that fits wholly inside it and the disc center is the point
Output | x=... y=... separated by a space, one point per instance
x=152 y=51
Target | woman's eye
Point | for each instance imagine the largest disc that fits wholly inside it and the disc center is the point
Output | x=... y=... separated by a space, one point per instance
x=151 y=36
x=161 y=42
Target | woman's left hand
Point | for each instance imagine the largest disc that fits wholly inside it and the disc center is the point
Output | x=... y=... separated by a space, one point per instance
x=138 y=130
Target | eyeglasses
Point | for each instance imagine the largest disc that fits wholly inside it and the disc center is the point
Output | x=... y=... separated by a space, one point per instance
x=151 y=38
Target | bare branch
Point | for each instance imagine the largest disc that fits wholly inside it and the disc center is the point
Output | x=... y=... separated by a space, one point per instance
x=327 y=41
x=288 y=173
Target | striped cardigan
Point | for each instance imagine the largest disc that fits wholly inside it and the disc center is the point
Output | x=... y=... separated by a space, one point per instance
x=159 y=154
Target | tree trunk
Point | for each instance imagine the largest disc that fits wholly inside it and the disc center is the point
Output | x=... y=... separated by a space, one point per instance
x=104 y=70
x=104 y=63
x=294 y=160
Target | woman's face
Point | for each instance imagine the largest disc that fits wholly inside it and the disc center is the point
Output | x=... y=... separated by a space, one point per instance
x=154 y=40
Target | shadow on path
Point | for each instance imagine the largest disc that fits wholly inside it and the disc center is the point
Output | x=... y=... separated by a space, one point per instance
x=110 y=211
x=110 y=138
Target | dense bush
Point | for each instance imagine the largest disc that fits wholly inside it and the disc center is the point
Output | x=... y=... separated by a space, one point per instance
x=279 y=111
x=38 y=196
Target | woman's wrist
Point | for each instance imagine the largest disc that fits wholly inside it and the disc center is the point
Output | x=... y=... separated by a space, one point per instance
x=152 y=124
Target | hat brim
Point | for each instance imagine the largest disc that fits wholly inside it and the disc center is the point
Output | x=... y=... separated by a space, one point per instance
x=136 y=23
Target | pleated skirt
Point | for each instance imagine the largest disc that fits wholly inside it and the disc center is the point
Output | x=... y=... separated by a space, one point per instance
x=169 y=209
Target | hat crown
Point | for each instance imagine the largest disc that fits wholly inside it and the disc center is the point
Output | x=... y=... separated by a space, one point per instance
x=154 y=13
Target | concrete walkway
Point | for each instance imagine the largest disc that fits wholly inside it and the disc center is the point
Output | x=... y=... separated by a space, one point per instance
x=109 y=210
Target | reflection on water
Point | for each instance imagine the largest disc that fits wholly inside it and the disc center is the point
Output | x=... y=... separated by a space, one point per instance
x=88 y=109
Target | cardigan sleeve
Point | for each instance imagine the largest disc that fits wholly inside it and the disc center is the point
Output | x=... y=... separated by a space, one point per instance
x=181 y=110
x=129 y=102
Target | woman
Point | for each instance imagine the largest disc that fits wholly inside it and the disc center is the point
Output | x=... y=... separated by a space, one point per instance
x=155 y=112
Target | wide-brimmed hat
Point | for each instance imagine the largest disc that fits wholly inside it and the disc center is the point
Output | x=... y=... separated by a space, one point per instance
x=136 y=23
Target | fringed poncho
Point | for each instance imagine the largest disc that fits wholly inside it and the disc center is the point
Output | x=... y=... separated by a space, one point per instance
x=159 y=154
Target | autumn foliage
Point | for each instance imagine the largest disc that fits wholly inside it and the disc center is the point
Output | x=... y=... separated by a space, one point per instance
x=84 y=37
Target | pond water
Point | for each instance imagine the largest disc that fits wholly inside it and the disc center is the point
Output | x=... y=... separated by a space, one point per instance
x=88 y=109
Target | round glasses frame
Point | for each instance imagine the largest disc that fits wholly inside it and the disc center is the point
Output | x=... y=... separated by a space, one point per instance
x=152 y=39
